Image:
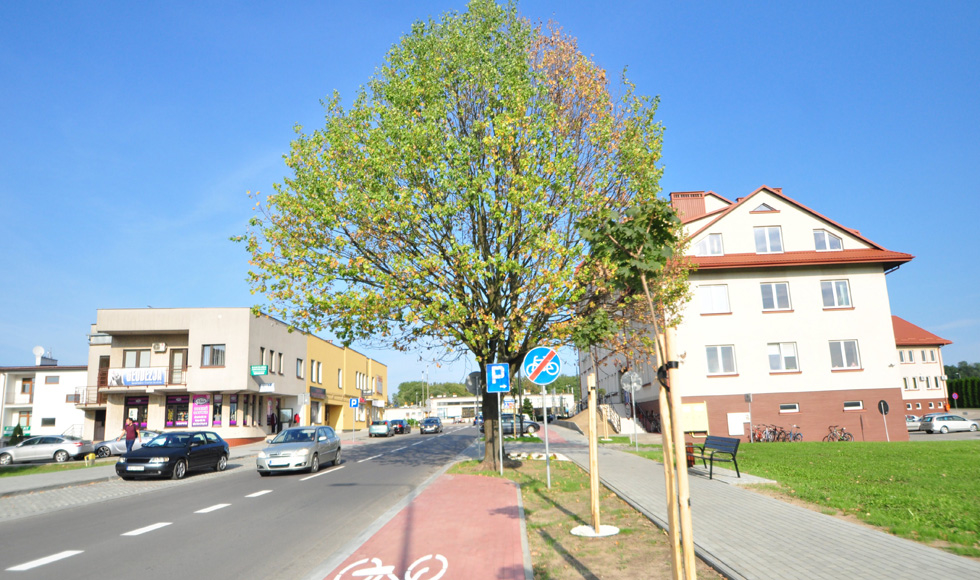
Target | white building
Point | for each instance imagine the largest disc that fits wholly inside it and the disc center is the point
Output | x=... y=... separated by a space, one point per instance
x=41 y=399
x=920 y=363
x=789 y=323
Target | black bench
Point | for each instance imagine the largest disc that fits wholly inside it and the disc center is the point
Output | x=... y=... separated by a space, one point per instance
x=717 y=449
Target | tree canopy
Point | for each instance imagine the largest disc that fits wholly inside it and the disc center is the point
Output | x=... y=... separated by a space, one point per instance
x=414 y=392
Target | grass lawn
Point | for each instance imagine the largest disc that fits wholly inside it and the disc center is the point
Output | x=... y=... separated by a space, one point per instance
x=925 y=491
x=32 y=468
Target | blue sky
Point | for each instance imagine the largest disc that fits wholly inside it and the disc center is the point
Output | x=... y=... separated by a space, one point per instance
x=131 y=132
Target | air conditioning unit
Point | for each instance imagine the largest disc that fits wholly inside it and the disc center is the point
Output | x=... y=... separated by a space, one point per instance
x=943 y=377
x=159 y=347
x=923 y=379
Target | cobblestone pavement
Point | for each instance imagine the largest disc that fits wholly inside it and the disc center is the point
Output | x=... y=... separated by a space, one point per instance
x=40 y=502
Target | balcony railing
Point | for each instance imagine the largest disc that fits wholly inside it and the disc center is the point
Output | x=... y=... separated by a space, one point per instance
x=142 y=377
x=89 y=396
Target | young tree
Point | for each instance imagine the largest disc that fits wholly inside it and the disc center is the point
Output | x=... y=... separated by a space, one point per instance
x=440 y=209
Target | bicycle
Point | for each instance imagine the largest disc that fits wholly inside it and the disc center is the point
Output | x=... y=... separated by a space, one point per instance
x=794 y=435
x=838 y=433
x=374 y=569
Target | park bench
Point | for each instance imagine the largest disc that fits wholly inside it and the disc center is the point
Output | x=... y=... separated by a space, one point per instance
x=717 y=449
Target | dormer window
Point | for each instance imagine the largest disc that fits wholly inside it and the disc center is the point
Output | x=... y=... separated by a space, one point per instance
x=765 y=208
x=826 y=241
x=710 y=245
x=768 y=240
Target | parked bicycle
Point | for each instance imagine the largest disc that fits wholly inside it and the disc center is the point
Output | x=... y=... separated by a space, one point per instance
x=838 y=433
x=794 y=434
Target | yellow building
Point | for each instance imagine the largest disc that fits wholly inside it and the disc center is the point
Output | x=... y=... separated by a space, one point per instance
x=336 y=376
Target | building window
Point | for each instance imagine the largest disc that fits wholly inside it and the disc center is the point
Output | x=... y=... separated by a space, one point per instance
x=26 y=386
x=319 y=373
x=47 y=421
x=844 y=354
x=826 y=241
x=910 y=356
x=299 y=368
x=272 y=362
x=216 y=411
x=927 y=382
x=775 y=296
x=764 y=208
x=24 y=418
x=177 y=406
x=312 y=370
x=721 y=360
x=136 y=359
x=905 y=383
x=918 y=405
x=213 y=355
x=853 y=405
x=52 y=380
x=340 y=378
x=261 y=355
x=768 y=240
x=930 y=405
x=932 y=355
x=714 y=299
x=836 y=293
x=908 y=406
x=915 y=383
x=782 y=357
x=789 y=408
x=281 y=371
x=710 y=245
x=901 y=357
x=233 y=411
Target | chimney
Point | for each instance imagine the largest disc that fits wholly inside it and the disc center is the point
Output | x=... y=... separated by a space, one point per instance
x=689 y=205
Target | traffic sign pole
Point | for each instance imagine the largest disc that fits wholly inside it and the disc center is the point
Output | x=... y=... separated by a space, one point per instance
x=500 y=435
x=547 y=453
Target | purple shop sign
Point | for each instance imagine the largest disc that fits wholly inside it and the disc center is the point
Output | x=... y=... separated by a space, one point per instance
x=201 y=411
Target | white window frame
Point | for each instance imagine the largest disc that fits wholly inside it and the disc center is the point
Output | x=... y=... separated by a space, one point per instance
x=710 y=245
x=932 y=355
x=340 y=379
x=789 y=408
x=825 y=238
x=918 y=406
x=905 y=383
x=775 y=296
x=834 y=287
x=839 y=347
x=853 y=405
x=771 y=236
x=785 y=351
x=714 y=299
x=718 y=351
x=300 y=368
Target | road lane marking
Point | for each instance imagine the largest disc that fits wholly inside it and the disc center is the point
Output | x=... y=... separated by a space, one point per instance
x=43 y=561
x=146 y=529
x=258 y=493
x=321 y=473
x=370 y=458
x=213 y=508
x=399 y=449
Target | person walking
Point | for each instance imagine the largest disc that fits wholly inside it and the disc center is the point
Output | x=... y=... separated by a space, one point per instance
x=132 y=433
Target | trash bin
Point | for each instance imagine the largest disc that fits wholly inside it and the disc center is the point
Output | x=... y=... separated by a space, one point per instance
x=690 y=454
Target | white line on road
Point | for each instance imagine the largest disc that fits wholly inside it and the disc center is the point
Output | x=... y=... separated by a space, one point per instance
x=399 y=449
x=43 y=561
x=370 y=458
x=321 y=473
x=213 y=508
x=258 y=493
x=146 y=529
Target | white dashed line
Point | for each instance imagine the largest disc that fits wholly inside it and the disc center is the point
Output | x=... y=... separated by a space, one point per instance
x=147 y=529
x=258 y=493
x=43 y=561
x=213 y=508
x=370 y=458
x=321 y=473
x=399 y=449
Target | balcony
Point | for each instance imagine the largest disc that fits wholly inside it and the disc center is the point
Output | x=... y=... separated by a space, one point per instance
x=89 y=397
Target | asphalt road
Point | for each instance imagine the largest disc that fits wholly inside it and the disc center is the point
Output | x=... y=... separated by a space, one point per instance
x=229 y=525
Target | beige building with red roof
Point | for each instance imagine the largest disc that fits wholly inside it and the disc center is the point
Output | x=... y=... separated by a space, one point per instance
x=920 y=362
x=787 y=306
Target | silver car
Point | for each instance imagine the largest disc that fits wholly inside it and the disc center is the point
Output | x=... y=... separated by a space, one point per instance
x=117 y=446
x=299 y=449
x=58 y=447
x=944 y=423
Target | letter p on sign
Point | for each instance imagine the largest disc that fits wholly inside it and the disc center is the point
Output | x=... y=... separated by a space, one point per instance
x=498 y=379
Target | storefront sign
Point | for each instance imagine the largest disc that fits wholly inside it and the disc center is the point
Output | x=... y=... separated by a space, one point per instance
x=138 y=377
x=267 y=387
x=7 y=431
x=259 y=370
x=318 y=393
x=200 y=410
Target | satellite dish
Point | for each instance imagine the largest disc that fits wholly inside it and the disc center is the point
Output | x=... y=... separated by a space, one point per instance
x=38 y=351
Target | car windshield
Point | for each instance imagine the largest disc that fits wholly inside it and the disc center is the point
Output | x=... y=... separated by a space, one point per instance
x=295 y=436
x=430 y=421
x=378 y=423
x=169 y=441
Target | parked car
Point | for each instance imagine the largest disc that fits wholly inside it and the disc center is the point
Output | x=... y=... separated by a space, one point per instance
x=431 y=425
x=381 y=429
x=912 y=422
x=525 y=424
x=401 y=426
x=944 y=423
x=478 y=421
x=117 y=446
x=174 y=454
x=299 y=449
x=61 y=448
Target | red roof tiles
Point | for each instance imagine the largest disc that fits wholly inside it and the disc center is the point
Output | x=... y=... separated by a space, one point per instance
x=908 y=334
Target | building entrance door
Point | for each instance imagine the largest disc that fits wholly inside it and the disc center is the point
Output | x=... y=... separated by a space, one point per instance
x=99 y=433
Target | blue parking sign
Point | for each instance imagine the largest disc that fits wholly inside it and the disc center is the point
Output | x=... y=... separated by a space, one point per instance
x=353 y=402
x=498 y=378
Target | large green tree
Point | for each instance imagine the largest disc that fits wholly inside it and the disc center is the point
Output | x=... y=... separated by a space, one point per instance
x=440 y=208
x=415 y=392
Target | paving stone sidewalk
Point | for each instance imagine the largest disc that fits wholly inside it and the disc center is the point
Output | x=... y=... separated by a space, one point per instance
x=747 y=535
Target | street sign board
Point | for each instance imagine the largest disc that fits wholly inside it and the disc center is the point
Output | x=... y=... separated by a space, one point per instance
x=883 y=407
x=259 y=370
x=354 y=401
x=956 y=396
x=631 y=382
x=498 y=378
x=542 y=365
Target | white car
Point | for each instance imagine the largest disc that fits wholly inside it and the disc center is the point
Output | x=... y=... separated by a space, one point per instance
x=58 y=447
x=117 y=446
x=944 y=423
x=912 y=422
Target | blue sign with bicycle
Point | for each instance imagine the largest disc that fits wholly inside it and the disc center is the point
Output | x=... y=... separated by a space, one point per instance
x=541 y=366
x=498 y=378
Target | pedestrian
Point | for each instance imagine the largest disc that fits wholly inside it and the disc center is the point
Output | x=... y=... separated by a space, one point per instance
x=132 y=433
x=296 y=419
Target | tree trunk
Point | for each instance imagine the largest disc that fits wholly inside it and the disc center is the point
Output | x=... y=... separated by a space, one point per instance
x=491 y=418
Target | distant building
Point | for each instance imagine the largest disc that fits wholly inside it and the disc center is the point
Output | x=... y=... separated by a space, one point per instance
x=41 y=398
x=920 y=363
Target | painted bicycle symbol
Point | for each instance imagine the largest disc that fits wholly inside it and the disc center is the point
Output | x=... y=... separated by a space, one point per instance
x=374 y=569
x=551 y=368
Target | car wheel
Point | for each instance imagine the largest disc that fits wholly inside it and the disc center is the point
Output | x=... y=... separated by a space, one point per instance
x=6 y=459
x=336 y=458
x=222 y=463
x=103 y=451
x=944 y=429
x=973 y=427
x=180 y=469
x=315 y=463
x=61 y=456
x=531 y=430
